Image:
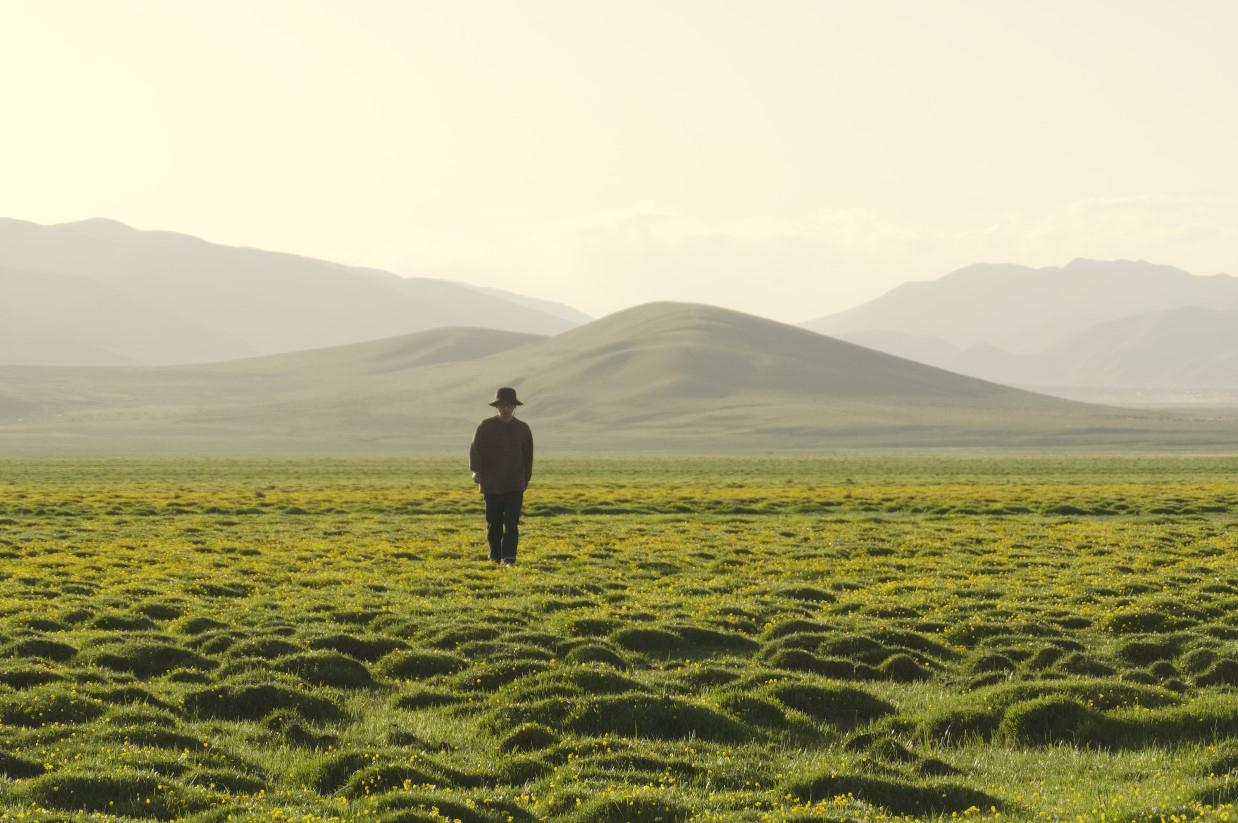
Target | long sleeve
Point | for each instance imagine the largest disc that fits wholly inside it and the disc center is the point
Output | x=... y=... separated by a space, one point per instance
x=528 y=455
x=475 y=452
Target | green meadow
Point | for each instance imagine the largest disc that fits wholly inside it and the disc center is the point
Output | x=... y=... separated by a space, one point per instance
x=850 y=637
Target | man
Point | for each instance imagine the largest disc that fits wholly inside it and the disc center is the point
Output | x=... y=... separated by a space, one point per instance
x=501 y=459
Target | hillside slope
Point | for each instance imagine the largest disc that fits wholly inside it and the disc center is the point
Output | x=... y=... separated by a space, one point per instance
x=1023 y=310
x=663 y=376
x=180 y=299
x=1191 y=347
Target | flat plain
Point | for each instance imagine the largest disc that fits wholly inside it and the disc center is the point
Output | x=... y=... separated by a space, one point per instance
x=739 y=638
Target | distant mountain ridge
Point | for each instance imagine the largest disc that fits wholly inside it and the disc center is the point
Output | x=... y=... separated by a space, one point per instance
x=665 y=376
x=1087 y=324
x=98 y=292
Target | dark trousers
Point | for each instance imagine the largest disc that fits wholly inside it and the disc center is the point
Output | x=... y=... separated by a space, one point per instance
x=503 y=524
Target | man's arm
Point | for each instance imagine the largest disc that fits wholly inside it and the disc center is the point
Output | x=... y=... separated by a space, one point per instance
x=475 y=456
x=528 y=457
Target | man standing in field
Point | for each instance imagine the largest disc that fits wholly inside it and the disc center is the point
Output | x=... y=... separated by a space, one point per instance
x=501 y=459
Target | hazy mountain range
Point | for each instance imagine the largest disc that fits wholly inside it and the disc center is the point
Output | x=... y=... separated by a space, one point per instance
x=1086 y=325
x=98 y=292
x=153 y=341
x=669 y=376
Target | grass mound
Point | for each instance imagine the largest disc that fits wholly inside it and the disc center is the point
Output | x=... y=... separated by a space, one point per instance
x=1102 y=694
x=626 y=762
x=215 y=642
x=18 y=768
x=753 y=710
x=147 y=658
x=255 y=701
x=47 y=707
x=368 y=649
x=552 y=712
x=959 y=724
x=916 y=642
x=327 y=669
x=588 y=681
x=1222 y=672
x=1224 y=762
x=592 y=626
x=1049 y=720
x=1081 y=664
x=903 y=668
x=659 y=718
x=981 y=713
x=200 y=625
x=631 y=810
x=154 y=737
x=806 y=594
x=332 y=773
x=417 y=665
x=897 y=797
x=136 y=795
x=120 y=622
x=292 y=729
x=21 y=677
x=702 y=640
x=416 y=806
x=1208 y=719
x=504 y=650
x=160 y=610
x=529 y=737
x=990 y=662
x=841 y=706
x=230 y=781
x=491 y=676
x=649 y=640
x=391 y=777
x=596 y=653
x=427 y=699
x=795 y=626
x=799 y=660
x=858 y=647
x=42 y=648
x=1142 y=651
x=1144 y=621
x=454 y=636
x=695 y=679
x=375 y=772
x=266 y=648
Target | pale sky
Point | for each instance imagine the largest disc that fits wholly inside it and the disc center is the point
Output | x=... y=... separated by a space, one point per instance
x=790 y=158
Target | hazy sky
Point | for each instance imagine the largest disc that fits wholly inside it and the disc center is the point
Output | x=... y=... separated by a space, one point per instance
x=790 y=158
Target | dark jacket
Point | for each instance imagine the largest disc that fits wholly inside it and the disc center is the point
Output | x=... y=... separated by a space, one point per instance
x=502 y=455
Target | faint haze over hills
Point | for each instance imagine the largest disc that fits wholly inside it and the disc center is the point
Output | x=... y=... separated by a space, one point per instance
x=98 y=292
x=664 y=376
x=1088 y=325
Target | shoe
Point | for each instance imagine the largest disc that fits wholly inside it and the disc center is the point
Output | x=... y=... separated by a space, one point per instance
x=509 y=561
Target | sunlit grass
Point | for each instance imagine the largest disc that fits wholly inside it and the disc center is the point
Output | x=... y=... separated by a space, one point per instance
x=747 y=638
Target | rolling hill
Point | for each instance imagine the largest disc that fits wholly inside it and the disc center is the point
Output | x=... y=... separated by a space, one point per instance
x=1186 y=347
x=1023 y=310
x=1088 y=325
x=98 y=292
x=666 y=376
x=1191 y=348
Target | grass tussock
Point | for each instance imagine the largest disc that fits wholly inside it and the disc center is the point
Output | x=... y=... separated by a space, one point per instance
x=701 y=639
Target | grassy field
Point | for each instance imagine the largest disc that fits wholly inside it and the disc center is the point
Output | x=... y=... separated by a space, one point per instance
x=684 y=639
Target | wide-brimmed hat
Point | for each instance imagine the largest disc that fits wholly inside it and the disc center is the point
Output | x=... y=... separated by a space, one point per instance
x=506 y=395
